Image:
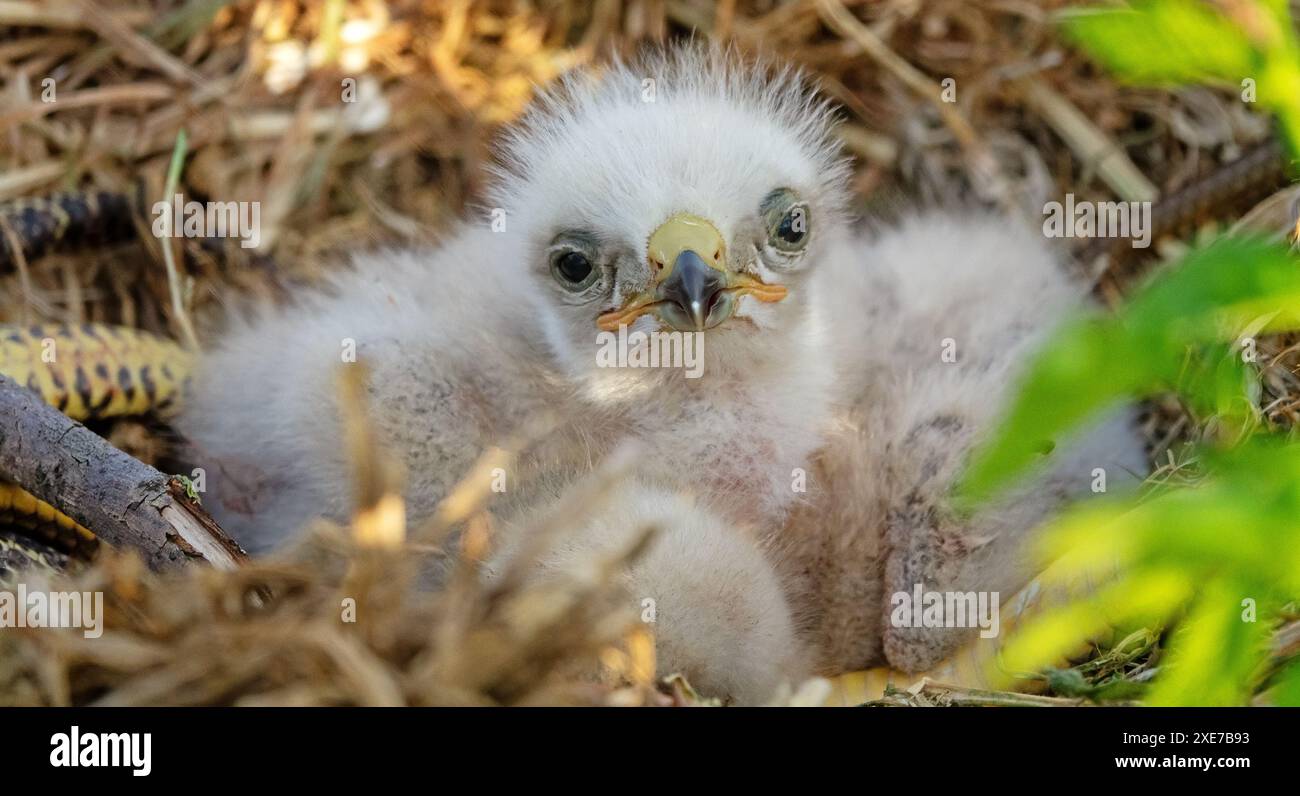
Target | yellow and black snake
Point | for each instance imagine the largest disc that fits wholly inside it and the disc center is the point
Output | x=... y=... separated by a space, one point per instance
x=34 y=227
x=89 y=372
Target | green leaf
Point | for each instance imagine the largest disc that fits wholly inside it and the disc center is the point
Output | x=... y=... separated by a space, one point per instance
x=1084 y=368
x=1093 y=361
x=1164 y=42
x=1215 y=654
x=1144 y=598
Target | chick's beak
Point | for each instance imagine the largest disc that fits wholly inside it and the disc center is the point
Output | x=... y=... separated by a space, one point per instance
x=693 y=296
x=691 y=288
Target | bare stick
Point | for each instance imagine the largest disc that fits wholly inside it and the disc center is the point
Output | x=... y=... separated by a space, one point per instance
x=1090 y=143
x=929 y=693
x=124 y=501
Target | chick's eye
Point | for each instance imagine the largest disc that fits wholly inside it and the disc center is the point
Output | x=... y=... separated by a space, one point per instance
x=573 y=269
x=787 y=220
x=793 y=227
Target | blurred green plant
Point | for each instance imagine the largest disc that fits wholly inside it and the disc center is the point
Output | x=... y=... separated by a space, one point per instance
x=1250 y=44
x=1217 y=561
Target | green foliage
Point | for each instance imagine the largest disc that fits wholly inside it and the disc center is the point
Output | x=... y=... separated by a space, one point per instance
x=1163 y=42
x=1172 y=42
x=1227 y=552
x=1219 y=560
x=1170 y=336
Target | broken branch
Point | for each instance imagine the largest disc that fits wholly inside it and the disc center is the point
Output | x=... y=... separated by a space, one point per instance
x=124 y=501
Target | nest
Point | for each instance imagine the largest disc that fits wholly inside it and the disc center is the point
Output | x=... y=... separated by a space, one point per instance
x=369 y=122
x=332 y=624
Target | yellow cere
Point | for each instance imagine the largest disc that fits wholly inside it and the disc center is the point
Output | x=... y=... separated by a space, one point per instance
x=685 y=232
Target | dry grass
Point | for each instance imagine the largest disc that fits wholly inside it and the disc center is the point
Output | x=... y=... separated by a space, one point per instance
x=333 y=624
x=257 y=87
x=350 y=616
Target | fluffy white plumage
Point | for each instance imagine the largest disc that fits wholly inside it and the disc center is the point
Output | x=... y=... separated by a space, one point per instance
x=842 y=376
x=986 y=292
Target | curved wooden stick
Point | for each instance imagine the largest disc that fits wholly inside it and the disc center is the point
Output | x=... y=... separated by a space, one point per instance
x=124 y=501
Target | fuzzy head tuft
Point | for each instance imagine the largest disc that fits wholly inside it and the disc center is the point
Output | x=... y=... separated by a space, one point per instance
x=606 y=159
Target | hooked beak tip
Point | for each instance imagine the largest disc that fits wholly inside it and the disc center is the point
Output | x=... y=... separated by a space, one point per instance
x=697 y=314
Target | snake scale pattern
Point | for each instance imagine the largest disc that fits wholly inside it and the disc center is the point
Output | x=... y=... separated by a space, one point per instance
x=35 y=227
x=88 y=372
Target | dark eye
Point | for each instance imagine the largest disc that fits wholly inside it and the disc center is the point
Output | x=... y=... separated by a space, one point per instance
x=574 y=266
x=792 y=229
x=787 y=220
x=572 y=269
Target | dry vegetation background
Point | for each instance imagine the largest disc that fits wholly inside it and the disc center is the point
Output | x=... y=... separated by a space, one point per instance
x=257 y=85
